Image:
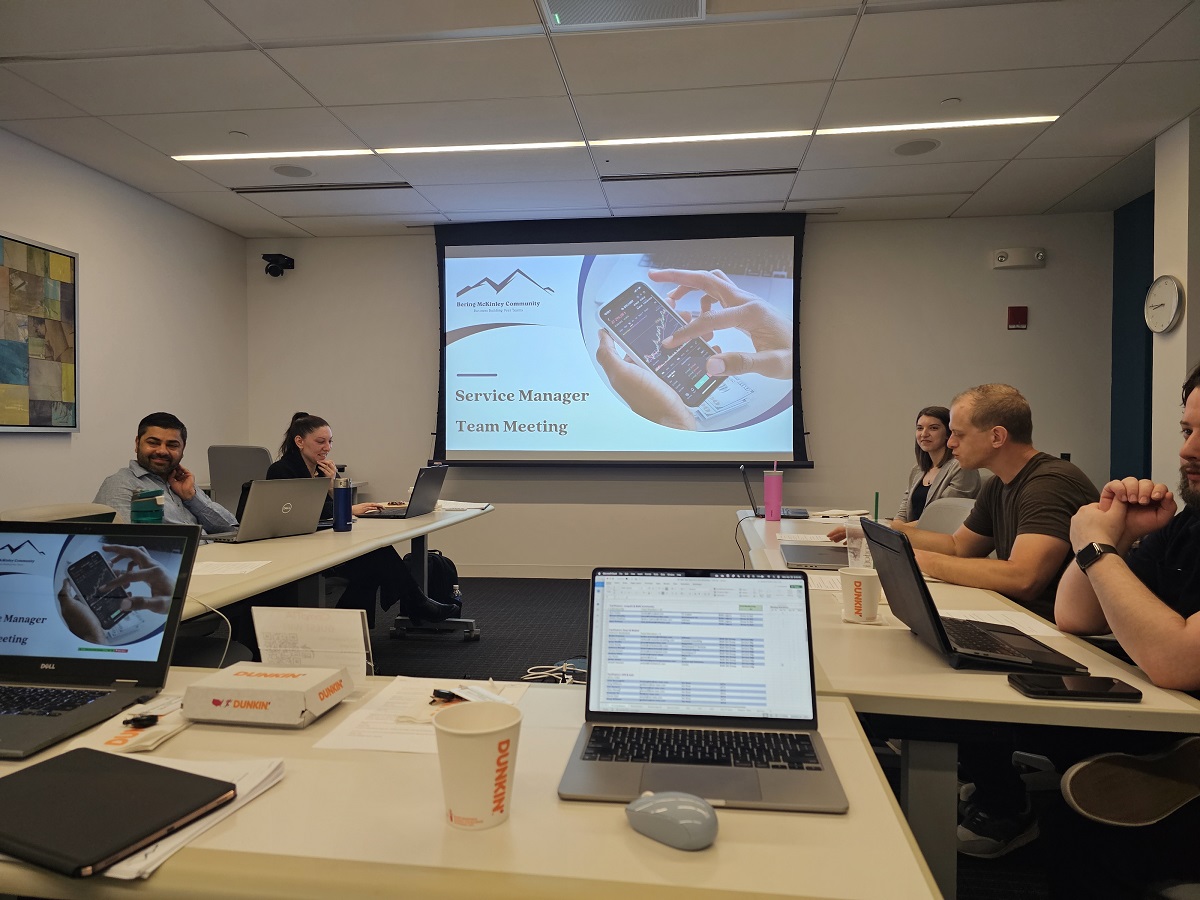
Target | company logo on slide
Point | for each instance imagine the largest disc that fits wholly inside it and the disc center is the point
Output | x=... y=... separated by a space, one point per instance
x=8 y=552
x=498 y=286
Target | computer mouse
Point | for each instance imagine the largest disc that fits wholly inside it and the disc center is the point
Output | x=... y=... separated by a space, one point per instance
x=679 y=820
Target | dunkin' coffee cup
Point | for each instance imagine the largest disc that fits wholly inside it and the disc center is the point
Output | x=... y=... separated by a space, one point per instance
x=860 y=594
x=477 y=752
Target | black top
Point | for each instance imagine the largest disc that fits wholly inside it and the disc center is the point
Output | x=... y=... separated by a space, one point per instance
x=295 y=467
x=1168 y=563
x=917 y=499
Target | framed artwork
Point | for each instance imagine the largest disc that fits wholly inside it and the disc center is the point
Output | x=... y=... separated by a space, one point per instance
x=39 y=387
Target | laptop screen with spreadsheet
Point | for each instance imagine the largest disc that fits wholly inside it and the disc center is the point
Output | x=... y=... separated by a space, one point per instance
x=680 y=645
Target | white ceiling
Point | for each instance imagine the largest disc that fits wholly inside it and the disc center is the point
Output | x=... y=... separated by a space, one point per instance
x=122 y=86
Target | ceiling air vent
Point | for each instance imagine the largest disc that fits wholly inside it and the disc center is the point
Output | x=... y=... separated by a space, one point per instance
x=592 y=15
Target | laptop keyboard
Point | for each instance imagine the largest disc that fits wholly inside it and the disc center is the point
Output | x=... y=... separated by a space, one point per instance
x=39 y=701
x=967 y=635
x=702 y=747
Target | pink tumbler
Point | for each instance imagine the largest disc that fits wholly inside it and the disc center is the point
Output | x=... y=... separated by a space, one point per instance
x=772 y=495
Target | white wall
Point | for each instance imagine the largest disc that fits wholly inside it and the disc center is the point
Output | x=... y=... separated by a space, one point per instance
x=894 y=316
x=161 y=305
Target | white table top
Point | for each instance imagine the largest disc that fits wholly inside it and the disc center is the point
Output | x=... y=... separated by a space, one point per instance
x=885 y=669
x=293 y=558
x=358 y=823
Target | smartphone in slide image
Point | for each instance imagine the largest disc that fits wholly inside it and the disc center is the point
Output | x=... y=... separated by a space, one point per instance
x=641 y=320
x=89 y=575
x=1075 y=687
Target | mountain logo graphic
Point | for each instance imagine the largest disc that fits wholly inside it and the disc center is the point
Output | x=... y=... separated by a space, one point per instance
x=497 y=287
x=11 y=549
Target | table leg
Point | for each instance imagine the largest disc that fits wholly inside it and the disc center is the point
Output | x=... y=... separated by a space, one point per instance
x=929 y=798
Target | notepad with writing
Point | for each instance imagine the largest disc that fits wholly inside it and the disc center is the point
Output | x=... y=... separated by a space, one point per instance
x=84 y=810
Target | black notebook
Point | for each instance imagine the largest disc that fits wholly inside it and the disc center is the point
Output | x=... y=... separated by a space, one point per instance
x=80 y=812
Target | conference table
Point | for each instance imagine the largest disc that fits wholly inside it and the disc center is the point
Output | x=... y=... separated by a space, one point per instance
x=884 y=671
x=359 y=823
x=298 y=560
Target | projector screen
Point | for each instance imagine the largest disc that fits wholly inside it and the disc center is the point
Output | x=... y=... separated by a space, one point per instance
x=605 y=345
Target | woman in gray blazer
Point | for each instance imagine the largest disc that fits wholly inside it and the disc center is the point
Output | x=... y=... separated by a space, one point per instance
x=936 y=473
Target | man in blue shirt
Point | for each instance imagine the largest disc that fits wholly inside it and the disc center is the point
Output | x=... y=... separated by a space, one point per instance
x=161 y=439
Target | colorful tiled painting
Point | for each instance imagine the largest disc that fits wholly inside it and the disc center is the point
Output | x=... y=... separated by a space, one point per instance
x=37 y=338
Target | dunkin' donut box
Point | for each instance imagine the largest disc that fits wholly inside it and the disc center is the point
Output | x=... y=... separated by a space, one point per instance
x=249 y=694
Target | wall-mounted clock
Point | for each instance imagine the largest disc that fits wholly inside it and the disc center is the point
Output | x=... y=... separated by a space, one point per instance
x=1164 y=303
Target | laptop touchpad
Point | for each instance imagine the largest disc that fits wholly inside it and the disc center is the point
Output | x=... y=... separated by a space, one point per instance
x=703 y=781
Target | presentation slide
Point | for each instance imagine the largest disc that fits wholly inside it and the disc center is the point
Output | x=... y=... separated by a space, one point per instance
x=639 y=351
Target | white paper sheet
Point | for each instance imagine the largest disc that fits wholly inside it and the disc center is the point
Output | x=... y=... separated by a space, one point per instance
x=796 y=538
x=826 y=581
x=459 y=505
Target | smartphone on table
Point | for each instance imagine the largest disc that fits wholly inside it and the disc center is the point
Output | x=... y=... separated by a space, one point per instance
x=641 y=320
x=89 y=575
x=1075 y=687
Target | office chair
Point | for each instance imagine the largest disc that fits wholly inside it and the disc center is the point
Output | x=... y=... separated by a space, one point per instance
x=945 y=514
x=60 y=512
x=232 y=465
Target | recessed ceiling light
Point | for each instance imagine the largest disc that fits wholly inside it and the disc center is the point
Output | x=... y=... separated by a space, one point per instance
x=933 y=126
x=916 y=148
x=278 y=154
x=288 y=171
x=476 y=148
x=952 y=101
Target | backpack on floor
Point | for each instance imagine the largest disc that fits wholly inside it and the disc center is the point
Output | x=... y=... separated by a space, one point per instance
x=443 y=577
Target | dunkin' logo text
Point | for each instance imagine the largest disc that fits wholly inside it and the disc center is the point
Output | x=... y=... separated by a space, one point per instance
x=500 y=788
x=241 y=704
x=858 y=585
x=328 y=692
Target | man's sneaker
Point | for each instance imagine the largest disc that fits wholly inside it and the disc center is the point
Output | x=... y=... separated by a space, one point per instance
x=1122 y=789
x=966 y=790
x=987 y=835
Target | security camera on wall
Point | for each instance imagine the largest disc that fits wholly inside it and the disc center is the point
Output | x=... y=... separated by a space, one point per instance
x=277 y=262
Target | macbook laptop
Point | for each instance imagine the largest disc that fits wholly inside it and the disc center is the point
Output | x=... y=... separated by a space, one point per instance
x=71 y=654
x=279 y=507
x=963 y=643
x=785 y=512
x=422 y=500
x=702 y=681
x=815 y=556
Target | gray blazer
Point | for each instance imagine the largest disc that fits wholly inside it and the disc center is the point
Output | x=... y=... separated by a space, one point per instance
x=951 y=481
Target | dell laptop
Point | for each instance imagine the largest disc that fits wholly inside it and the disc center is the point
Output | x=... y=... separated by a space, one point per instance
x=963 y=643
x=280 y=507
x=424 y=497
x=88 y=615
x=702 y=681
x=785 y=512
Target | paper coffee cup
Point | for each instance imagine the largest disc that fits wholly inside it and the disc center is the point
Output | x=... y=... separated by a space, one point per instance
x=860 y=594
x=477 y=752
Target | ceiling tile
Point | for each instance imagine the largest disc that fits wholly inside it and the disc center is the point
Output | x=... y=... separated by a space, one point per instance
x=326 y=170
x=485 y=197
x=234 y=213
x=1113 y=188
x=944 y=178
x=764 y=107
x=721 y=156
x=452 y=123
x=365 y=226
x=263 y=131
x=703 y=56
x=360 y=201
x=350 y=75
x=100 y=146
x=33 y=27
x=842 y=151
x=672 y=191
x=20 y=99
x=855 y=210
x=981 y=95
x=1134 y=105
x=566 y=164
x=1178 y=39
x=301 y=20
x=188 y=82
x=1031 y=186
x=1005 y=36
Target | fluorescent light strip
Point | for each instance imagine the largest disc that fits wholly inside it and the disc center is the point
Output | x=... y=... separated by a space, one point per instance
x=279 y=154
x=625 y=142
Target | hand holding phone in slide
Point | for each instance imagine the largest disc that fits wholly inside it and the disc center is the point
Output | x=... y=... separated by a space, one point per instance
x=725 y=305
x=647 y=394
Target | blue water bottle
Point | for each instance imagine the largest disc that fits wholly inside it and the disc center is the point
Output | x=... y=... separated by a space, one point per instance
x=342 y=518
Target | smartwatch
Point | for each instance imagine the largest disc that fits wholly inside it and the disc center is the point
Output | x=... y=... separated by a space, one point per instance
x=1092 y=552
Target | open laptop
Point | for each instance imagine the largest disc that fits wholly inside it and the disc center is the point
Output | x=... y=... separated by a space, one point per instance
x=785 y=512
x=279 y=507
x=423 y=499
x=963 y=643
x=71 y=656
x=674 y=651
